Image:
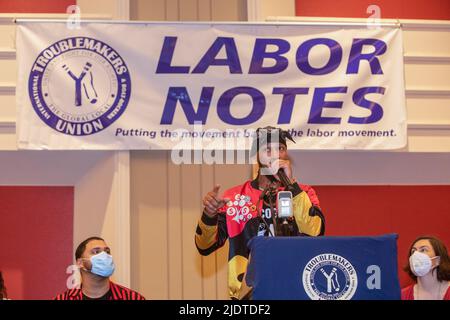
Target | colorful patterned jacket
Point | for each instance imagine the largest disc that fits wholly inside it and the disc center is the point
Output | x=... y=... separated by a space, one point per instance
x=240 y=220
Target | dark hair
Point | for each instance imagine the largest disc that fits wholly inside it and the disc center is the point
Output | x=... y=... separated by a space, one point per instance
x=3 y=293
x=443 y=269
x=82 y=246
x=267 y=135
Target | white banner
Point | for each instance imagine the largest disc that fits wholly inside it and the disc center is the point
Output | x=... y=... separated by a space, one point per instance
x=164 y=86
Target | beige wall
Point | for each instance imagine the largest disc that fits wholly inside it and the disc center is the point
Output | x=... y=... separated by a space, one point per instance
x=259 y=10
x=102 y=206
x=112 y=9
x=188 y=10
x=166 y=201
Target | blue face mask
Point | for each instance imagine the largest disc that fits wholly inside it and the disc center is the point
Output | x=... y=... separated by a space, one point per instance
x=102 y=264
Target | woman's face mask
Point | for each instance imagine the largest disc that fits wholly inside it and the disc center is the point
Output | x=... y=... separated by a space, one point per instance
x=102 y=264
x=420 y=263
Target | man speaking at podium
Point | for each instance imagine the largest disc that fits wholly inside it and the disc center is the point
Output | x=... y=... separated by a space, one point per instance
x=249 y=209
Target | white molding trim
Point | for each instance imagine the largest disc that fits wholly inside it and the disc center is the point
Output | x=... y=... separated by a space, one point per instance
x=331 y=21
x=428 y=126
x=6 y=21
x=8 y=124
x=405 y=24
x=123 y=9
x=254 y=10
x=427 y=92
x=7 y=88
x=432 y=25
x=426 y=59
x=7 y=53
x=10 y=18
x=122 y=232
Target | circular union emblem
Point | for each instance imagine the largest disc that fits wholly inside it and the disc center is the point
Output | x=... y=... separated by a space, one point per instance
x=79 y=86
x=329 y=276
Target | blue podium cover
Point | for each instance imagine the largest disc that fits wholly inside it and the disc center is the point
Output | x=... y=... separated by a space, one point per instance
x=330 y=268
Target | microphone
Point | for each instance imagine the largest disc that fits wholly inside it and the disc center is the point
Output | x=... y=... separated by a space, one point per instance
x=283 y=178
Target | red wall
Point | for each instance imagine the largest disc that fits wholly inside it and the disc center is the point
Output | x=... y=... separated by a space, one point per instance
x=36 y=235
x=409 y=211
x=401 y=9
x=35 y=6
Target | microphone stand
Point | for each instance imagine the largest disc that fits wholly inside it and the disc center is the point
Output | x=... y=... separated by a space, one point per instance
x=271 y=189
x=285 y=228
x=266 y=191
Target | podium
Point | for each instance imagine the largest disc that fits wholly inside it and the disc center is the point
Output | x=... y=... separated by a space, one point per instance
x=323 y=268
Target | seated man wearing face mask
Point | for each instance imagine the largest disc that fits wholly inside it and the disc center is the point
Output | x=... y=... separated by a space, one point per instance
x=428 y=265
x=93 y=257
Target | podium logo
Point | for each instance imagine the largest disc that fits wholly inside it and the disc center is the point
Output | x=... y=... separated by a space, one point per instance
x=329 y=276
x=79 y=86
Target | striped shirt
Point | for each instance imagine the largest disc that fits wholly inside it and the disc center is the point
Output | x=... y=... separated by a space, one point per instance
x=117 y=293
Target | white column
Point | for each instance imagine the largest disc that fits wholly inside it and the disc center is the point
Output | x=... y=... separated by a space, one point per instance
x=122 y=234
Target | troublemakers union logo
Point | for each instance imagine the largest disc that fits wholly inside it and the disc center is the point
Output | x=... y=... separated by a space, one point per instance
x=329 y=276
x=79 y=86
